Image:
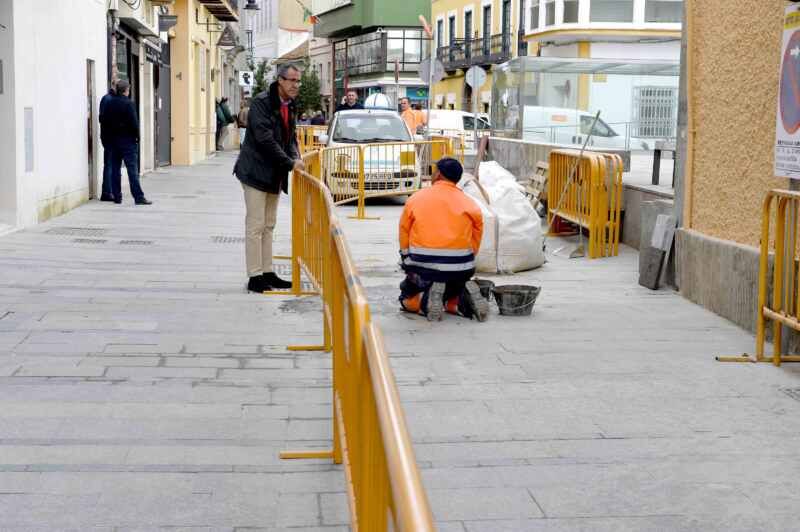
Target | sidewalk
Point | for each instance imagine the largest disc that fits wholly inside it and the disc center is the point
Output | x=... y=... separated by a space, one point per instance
x=141 y=388
x=604 y=411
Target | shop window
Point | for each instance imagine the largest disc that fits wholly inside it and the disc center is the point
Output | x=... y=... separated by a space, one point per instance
x=663 y=11
x=611 y=11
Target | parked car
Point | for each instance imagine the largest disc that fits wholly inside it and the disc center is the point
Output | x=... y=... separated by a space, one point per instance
x=459 y=124
x=388 y=169
x=559 y=125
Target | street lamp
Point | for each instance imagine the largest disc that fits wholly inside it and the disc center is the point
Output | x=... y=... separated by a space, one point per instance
x=251 y=7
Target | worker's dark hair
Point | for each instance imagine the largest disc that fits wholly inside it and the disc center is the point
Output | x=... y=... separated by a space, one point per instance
x=450 y=168
x=121 y=87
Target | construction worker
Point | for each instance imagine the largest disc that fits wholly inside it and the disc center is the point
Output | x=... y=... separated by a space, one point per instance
x=440 y=234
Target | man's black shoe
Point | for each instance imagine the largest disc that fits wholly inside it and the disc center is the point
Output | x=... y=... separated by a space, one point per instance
x=276 y=282
x=143 y=201
x=258 y=284
x=117 y=200
x=107 y=198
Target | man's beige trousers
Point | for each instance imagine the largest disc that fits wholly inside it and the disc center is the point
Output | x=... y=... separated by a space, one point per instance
x=259 y=224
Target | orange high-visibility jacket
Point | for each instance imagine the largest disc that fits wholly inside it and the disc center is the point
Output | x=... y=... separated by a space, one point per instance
x=440 y=232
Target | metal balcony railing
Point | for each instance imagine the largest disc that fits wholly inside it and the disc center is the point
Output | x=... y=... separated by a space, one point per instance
x=486 y=50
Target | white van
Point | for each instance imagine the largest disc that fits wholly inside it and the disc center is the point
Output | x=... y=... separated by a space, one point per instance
x=558 y=125
x=459 y=124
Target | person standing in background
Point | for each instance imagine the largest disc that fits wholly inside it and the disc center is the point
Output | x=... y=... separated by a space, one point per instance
x=241 y=120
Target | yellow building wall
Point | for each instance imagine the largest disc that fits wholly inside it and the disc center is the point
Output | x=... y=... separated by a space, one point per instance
x=733 y=98
x=195 y=61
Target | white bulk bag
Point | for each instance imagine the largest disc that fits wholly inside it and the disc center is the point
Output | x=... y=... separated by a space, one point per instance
x=512 y=233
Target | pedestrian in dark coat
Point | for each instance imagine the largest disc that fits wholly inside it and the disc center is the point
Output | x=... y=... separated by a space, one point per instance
x=121 y=128
x=106 y=194
x=267 y=156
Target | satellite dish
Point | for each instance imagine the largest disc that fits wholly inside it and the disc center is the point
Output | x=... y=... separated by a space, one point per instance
x=378 y=100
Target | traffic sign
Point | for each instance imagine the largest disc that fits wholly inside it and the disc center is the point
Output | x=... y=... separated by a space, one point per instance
x=787 y=130
x=246 y=78
x=475 y=77
x=438 y=70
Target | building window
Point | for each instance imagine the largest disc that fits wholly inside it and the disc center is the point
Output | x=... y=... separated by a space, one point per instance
x=611 y=11
x=570 y=11
x=534 y=14
x=663 y=11
x=439 y=33
x=467 y=25
x=487 y=28
x=451 y=29
x=550 y=12
x=655 y=111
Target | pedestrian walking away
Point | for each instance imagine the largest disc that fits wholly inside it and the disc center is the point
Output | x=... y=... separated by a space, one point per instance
x=106 y=193
x=350 y=102
x=241 y=120
x=267 y=156
x=440 y=234
x=120 y=126
x=224 y=118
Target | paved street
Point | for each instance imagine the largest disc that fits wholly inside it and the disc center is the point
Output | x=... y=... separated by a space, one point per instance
x=141 y=388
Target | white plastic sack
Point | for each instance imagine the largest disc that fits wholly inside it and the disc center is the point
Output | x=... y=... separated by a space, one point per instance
x=512 y=233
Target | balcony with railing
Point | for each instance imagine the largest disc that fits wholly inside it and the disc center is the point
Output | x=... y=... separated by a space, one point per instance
x=482 y=51
x=223 y=10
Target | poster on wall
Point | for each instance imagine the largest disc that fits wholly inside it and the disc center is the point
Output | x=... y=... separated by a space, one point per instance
x=787 y=128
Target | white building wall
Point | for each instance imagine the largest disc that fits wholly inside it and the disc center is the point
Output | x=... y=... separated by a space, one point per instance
x=50 y=52
x=8 y=139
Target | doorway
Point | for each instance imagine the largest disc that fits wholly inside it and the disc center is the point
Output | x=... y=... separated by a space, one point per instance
x=90 y=128
x=163 y=105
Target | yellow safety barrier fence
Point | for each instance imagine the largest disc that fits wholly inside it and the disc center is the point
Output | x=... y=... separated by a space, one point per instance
x=586 y=190
x=360 y=171
x=370 y=436
x=308 y=137
x=783 y=306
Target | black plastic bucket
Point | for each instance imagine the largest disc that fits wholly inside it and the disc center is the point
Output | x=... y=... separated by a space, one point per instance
x=516 y=299
x=486 y=287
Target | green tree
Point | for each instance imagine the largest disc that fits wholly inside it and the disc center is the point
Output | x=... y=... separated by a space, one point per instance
x=260 y=73
x=309 y=99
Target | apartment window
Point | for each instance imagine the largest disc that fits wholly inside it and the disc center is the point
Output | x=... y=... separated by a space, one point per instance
x=468 y=25
x=487 y=28
x=439 y=33
x=570 y=11
x=654 y=112
x=663 y=11
x=611 y=11
x=550 y=13
x=451 y=28
x=521 y=21
x=534 y=14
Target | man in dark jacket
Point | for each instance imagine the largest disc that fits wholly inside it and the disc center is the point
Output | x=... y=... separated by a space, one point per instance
x=267 y=156
x=106 y=194
x=350 y=102
x=121 y=128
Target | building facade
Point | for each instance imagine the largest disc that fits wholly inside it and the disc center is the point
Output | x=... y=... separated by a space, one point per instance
x=198 y=75
x=51 y=82
x=470 y=33
x=320 y=55
x=377 y=46
x=278 y=28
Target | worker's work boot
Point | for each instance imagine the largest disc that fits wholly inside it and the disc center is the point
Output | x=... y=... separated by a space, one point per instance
x=435 y=309
x=476 y=302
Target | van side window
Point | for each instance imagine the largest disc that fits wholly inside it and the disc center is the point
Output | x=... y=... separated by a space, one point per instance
x=601 y=129
x=469 y=123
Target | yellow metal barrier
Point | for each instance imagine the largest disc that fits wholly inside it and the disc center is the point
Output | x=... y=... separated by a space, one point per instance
x=360 y=171
x=783 y=307
x=591 y=198
x=308 y=138
x=370 y=436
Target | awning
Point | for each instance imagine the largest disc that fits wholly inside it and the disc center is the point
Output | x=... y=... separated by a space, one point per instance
x=572 y=65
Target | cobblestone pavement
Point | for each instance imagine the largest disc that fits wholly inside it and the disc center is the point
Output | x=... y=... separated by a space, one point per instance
x=141 y=388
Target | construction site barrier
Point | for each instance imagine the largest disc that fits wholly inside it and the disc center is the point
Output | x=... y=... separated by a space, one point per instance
x=360 y=171
x=370 y=436
x=586 y=190
x=308 y=137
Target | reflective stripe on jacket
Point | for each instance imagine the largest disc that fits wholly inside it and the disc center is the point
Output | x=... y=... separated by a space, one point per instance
x=440 y=231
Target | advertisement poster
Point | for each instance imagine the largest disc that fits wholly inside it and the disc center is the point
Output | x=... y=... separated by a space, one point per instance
x=787 y=129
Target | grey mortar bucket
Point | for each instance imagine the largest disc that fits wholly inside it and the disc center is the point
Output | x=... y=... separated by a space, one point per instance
x=486 y=287
x=516 y=299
